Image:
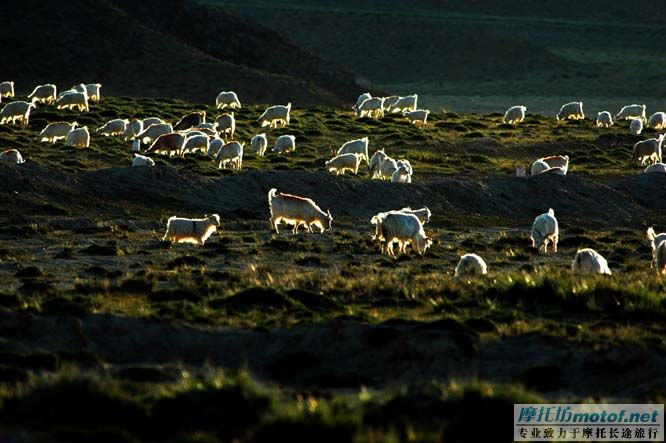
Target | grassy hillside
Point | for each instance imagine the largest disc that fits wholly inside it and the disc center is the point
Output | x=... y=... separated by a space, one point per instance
x=447 y=51
x=160 y=48
x=108 y=333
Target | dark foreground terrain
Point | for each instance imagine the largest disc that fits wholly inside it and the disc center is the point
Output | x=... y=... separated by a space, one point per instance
x=109 y=334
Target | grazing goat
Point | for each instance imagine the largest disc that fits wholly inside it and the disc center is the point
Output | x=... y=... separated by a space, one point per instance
x=190 y=120
x=358 y=146
x=657 y=121
x=649 y=149
x=631 y=112
x=225 y=125
x=405 y=229
x=7 y=89
x=515 y=115
x=469 y=265
x=16 y=111
x=372 y=107
x=43 y=94
x=344 y=162
x=171 y=144
x=589 y=261
x=11 y=156
x=78 y=137
x=604 y=119
x=295 y=210
x=142 y=160
x=227 y=99
x=275 y=116
x=361 y=98
x=230 y=152
x=133 y=128
x=259 y=143
x=417 y=117
x=113 y=127
x=571 y=111
x=285 y=144
x=187 y=230
x=545 y=230
x=636 y=126
x=56 y=131
x=73 y=100
x=407 y=103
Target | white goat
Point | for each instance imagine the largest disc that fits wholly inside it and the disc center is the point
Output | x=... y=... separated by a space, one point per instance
x=417 y=117
x=396 y=226
x=657 y=121
x=113 y=127
x=73 y=100
x=132 y=129
x=297 y=211
x=515 y=115
x=631 y=112
x=16 y=111
x=401 y=175
x=230 y=152
x=187 y=230
x=387 y=168
x=43 y=94
x=171 y=144
x=285 y=144
x=225 y=125
x=470 y=265
x=376 y=161
x=604 y=119
x=589 y=261
x=7 y=89
x=92 y=90
x=389 y=102
x=259 y=143
x=78 y=137
x=358 y=146
x=194 y=143
x=571 y=111
x=275 y=116
x=545 y=230
x=407 y=103
x=153 y=131
x=227 y=98
x=11 y=156
x=56 y=131
x=344 y=162
x=649 y=149
x=655 y=241
x=142 y=160
x=361 y=98
x=372 y=107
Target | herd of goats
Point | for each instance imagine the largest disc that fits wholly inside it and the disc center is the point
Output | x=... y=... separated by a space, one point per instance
x=403 y=227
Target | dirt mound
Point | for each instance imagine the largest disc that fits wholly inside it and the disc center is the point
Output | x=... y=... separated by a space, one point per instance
x=107 y=191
